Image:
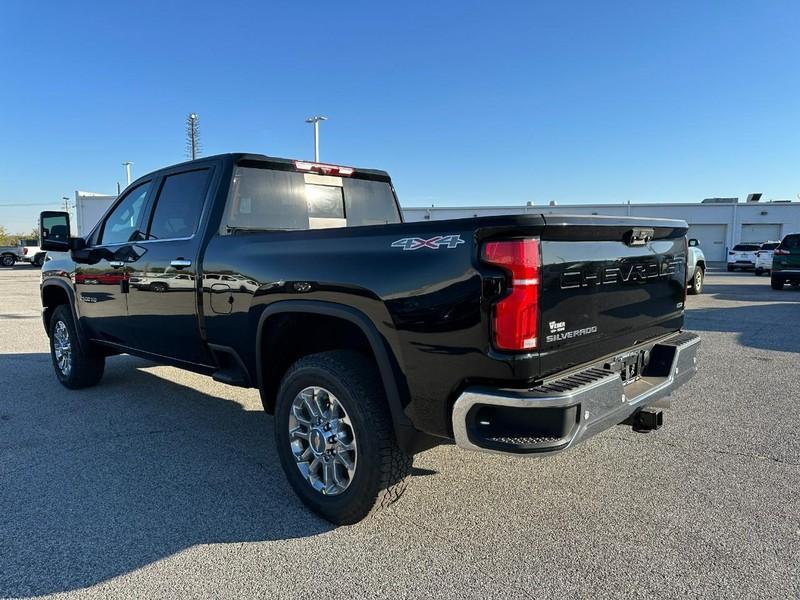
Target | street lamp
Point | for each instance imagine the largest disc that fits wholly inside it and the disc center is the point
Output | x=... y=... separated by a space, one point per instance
x=127 y=164
x=316 y=120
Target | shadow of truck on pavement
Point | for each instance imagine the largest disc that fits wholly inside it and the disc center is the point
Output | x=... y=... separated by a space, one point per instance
x=100 y=482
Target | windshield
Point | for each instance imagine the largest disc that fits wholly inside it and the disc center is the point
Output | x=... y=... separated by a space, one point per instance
x=266 y=199
x=745 y=247
x=770 y=246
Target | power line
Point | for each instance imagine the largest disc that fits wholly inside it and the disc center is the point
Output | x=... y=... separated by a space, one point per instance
x=24 y=204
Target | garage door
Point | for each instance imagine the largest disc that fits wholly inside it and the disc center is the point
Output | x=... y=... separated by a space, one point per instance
x=712 y=240
x=761 y=232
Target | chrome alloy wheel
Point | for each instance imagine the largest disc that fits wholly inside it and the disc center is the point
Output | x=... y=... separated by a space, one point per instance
x=62 y=348
x=323 y=441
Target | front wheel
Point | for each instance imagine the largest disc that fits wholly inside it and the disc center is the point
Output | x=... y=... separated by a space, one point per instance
x=77 y=365
x=696 y=286
x=335 y=438
x=776 y=283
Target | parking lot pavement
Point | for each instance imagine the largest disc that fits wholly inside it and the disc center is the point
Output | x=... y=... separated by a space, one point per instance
x=162 y=483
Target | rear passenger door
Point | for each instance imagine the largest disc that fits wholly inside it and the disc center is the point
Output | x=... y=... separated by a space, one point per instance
x=163 y=310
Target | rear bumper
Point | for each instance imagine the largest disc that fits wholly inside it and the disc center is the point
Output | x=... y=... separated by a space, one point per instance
x=786 y=274
x=566 y=410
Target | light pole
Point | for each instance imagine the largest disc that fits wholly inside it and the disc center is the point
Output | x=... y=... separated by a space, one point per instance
x=315 y=120
x=127 y=164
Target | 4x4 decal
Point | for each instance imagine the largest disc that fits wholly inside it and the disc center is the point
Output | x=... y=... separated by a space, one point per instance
x=440 y=241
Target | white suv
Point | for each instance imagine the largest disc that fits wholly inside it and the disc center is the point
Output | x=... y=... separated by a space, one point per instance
x=743 y=256
x=764 y=257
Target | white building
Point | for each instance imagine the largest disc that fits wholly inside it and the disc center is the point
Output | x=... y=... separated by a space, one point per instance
x=717 y=226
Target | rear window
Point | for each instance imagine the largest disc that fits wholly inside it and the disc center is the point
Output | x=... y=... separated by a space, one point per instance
x=791 y=242
x=265 y=199
x=745 y=247
x=770 y=246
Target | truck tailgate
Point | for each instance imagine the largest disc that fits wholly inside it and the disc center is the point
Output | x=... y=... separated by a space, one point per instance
x=608 y=283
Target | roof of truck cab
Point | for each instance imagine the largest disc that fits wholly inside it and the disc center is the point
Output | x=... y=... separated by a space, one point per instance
x=281 y=163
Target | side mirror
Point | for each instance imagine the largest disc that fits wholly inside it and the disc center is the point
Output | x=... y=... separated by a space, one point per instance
x=54 y=228
x=693 y=242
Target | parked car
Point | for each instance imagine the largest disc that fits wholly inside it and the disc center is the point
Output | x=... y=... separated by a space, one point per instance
x=8 y=255
x=786 y=262
x=371 y=339
x=696 y=271
x=743 y=256
x=764 y=257
x=30 y=252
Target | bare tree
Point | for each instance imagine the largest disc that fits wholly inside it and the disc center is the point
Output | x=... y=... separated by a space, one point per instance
x=193 y=147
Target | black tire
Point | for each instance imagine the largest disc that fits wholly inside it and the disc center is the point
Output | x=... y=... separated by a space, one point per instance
x=730 y=269
x=86 y=364
x=759 y=272
x=696 y=286
x=382 y=467
x=776 y=282
x=159 y=287
x=7 y=260
x=39 y=260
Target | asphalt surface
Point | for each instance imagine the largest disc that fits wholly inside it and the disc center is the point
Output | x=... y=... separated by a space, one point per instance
x=163 y=483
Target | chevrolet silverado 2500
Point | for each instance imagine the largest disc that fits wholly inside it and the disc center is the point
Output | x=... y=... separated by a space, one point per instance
x=371 y=339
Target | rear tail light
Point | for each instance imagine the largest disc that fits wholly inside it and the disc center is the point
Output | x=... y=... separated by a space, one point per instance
x=516 y=315
x=24 y=251
x=731 y=252
x=323 y=168
x=780 y=252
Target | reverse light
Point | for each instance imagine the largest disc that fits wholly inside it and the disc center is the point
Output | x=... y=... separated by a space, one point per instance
x=516 y=316
x=323 y=168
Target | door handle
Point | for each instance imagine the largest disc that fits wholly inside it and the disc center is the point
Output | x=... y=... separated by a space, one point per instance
x=116 y=264
x=180 y=263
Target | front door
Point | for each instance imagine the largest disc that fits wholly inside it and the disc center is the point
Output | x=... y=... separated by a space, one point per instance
x=101 y=281
x=164 y=291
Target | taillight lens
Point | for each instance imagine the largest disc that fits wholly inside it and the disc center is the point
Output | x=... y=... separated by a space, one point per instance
x=24 y=251
x=516 y=316
x=780 y=252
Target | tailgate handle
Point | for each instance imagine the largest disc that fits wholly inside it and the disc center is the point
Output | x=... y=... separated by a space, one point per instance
x=638 y=236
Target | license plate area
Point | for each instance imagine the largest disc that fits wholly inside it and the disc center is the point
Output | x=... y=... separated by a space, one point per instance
x=630 y=365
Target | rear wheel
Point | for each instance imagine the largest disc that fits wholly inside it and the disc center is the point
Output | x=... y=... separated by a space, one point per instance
x=776 y=282
x=7 y=260
x=696 y=286
x=39 y=260
x=759 y=272
x=335 y=437
x=77 y=365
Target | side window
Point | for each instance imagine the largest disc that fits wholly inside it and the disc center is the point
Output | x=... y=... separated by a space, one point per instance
x=123 y=224
x=179 y=205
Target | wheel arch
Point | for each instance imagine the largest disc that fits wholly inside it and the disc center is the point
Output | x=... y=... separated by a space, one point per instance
x=54 y=294
x=408 y=437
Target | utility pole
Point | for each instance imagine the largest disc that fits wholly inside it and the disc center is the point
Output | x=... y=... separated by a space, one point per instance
x=66 y=203
x=127 y=164
x=315 y=120
x=193 y=135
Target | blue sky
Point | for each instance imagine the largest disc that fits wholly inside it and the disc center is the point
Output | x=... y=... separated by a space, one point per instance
x=462 y=102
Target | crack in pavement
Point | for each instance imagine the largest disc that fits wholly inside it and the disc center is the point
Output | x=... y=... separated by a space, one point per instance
x=713 y=450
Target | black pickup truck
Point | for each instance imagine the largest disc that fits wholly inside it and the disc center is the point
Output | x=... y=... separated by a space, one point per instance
x=371 y=339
